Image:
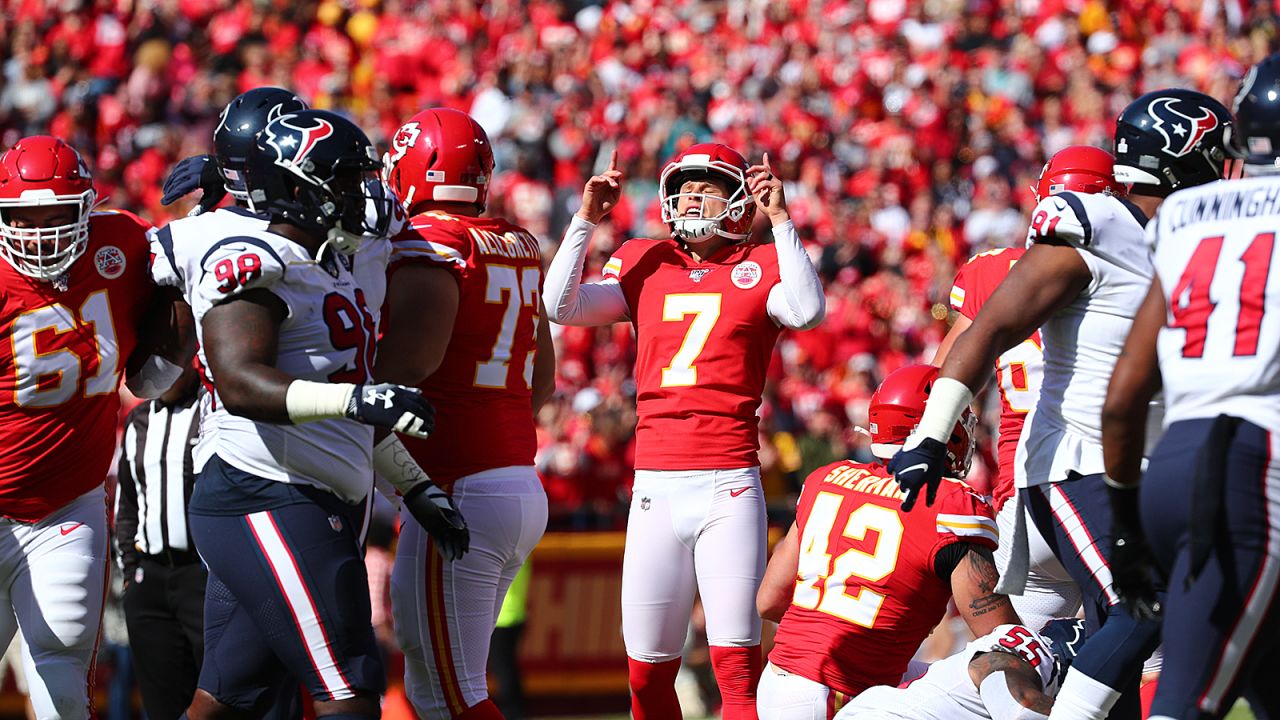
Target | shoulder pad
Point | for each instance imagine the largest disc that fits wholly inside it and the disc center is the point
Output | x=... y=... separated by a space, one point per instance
x=1061 y=218
x=239 y=263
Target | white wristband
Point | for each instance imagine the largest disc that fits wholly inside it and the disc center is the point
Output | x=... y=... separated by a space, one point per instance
x=307 y=401
x=392 y=462
x=1000 y=703
x=946 y=404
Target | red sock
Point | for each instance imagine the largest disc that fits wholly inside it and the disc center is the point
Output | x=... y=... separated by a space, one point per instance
x=483 y=710
x=653 y=689
x=737 y=672
x=1148 y=694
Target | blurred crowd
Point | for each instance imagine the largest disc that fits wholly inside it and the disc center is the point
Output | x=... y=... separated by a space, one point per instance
x=909 y=132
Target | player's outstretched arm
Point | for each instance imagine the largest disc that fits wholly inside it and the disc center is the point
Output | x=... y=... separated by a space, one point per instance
x=413 y=343
x=241 y=337
x=797 y=301
x=569 y=301
x=1047 y=278
x=778 y=585
x=1009 y=687
x=973 y=585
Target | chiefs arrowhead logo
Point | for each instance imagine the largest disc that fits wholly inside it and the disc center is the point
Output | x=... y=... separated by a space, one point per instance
x=293 y=149
x=406 y=137
x=1181 y=132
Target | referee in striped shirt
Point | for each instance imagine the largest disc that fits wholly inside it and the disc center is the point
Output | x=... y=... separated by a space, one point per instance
x=164 y=578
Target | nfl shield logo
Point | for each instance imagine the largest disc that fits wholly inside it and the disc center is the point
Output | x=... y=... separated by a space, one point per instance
x=697 y=275
x=335 y=522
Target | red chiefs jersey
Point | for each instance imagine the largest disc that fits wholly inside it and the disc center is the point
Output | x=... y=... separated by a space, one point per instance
x=482 y=389
x=866 y=592
x=61 y=364
x=703 y=342
x=1018 y=369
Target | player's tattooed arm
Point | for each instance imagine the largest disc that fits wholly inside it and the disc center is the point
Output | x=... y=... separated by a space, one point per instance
x=973 y=584
x=240 y=341
x=1021 y=679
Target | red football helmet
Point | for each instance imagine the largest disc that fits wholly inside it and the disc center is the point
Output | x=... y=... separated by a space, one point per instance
x=40 y=171
x=441 y=155
x=1079 y=168
x=896 y=407
x=699 y=162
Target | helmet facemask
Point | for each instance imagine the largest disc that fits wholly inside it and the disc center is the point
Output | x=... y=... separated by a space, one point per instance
x=45 y=253
x=693 y=228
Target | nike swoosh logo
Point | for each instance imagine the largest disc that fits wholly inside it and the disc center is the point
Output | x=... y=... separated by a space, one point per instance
x=921 y=466
x=71 y=529
x=739 y=491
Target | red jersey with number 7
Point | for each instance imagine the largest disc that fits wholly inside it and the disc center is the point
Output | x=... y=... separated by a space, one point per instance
x=866 y=591
x=482 y=390
x=704 y=338
x=1018 y=369
x=60 y=367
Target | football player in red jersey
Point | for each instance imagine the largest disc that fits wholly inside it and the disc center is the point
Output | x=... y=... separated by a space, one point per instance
x=858 y=582
x=707 y=309
x=71 y=325
x=481 y=279
x=1049 y=591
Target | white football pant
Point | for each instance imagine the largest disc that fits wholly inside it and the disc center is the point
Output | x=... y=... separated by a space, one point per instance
x=692 y=531
x=1050 y=592
x=53 y=582
x=444 y=611
x=785 y=696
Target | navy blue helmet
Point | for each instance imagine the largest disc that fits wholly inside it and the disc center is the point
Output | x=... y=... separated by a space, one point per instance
x=1171 y=139
x=1065 y=636
x=238 y=128
x=316 y=170
x=1257 y=109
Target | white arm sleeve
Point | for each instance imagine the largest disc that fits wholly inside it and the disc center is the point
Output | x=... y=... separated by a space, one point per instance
x=797 y=301
x=569 y=301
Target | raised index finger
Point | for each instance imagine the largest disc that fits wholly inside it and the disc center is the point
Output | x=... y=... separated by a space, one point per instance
x=767 y=168
x=613 y=159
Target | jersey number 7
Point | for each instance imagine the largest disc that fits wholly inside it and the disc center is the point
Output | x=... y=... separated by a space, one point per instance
x=705 y=309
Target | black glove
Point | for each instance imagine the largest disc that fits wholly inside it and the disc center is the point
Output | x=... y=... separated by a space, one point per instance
x=387 y=405
x=436 y=513
x=1132 y=564
x=198 y=172
x=920 y=467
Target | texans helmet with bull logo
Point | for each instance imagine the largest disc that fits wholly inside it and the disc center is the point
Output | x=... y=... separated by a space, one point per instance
x=1170 y=139
x=317 y=170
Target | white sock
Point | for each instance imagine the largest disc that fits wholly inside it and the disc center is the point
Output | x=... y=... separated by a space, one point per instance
x=1083 y=698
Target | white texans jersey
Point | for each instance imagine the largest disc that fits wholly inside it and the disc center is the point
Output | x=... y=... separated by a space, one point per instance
x=329 y=335
x=1083 y=340
x=1218 y=263
x=946 y=691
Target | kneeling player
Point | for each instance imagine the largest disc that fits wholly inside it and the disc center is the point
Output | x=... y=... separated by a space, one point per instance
x=863 y=582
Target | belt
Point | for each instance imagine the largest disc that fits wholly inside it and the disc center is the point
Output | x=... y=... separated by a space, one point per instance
x=172 y=558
